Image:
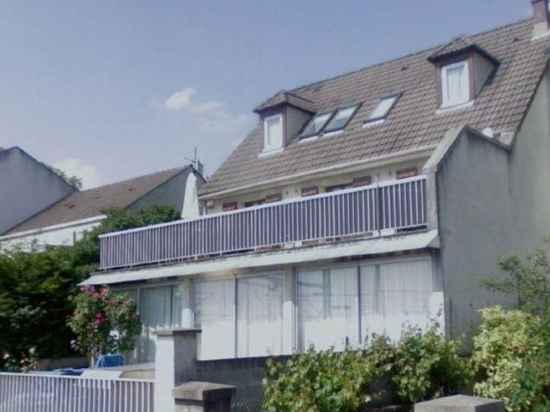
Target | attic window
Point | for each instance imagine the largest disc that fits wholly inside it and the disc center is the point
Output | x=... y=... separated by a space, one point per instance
x=273 y=133
x=384 y=107
x=455 y=84
x=341 y=119
x=316 y=125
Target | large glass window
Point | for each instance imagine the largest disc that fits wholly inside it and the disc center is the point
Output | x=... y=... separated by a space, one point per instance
x=341 y=119
x=383 y=108
x=328 y=308
x=395 y=296
x=215 y=316
x=455 y=84
x=260 y=315
x=159 y=308
x=316 y=125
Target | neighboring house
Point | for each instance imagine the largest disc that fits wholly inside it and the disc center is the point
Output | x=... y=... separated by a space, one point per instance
x=27 y=187
x=65 y=221
x=359 y=204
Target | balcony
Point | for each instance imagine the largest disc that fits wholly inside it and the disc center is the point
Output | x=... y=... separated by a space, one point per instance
x=376 y=210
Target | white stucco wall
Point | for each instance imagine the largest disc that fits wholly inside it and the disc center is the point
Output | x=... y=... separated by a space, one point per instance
x=58 y=235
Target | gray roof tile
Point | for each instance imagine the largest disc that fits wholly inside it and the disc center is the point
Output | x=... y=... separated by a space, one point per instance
x=413 y=123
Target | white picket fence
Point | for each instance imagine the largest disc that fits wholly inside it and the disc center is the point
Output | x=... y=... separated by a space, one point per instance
x=47 y=393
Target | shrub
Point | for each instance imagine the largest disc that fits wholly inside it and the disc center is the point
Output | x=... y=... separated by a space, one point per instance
x=104 y=322
x=421 y=366
x=510 y=359
x=428 y=366
x=319 y=382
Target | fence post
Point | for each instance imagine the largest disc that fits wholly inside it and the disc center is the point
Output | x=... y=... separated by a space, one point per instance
x=175 y=363
x=460 y=403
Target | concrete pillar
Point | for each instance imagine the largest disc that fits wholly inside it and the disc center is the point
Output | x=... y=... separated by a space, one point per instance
x=460 y=403
x=203 y=397
x=175 y=362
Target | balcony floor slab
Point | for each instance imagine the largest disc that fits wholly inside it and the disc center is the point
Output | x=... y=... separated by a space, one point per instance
x=225 y=264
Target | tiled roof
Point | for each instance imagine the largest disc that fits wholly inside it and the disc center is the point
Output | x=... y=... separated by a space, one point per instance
x=413 y=123
x=94 y=202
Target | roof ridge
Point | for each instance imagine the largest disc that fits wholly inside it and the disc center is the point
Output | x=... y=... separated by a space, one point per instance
x=173 y=169
x=408 y=55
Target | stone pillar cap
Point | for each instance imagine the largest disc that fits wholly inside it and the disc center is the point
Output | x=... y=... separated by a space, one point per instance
x=203 y=391
x=460 y=403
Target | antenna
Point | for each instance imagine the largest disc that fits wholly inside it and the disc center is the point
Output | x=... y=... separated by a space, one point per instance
x=195 y=162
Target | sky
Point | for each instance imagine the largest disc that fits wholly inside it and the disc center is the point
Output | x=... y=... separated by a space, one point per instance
x=108 y=90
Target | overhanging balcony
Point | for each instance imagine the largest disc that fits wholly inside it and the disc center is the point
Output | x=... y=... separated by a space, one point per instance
x=375 y=210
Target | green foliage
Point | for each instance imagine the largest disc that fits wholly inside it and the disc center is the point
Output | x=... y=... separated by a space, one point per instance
x=74 y=181
x=421 y=366
x=104 y=322
x=428 y=366
x=319 y=382
x=527 y=281
x=37 y=286
x=511 y=359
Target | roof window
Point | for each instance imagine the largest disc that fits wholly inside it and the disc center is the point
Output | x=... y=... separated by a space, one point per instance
x=316 y=125
x=383 y=108
x=341 y=119
x=455 y=84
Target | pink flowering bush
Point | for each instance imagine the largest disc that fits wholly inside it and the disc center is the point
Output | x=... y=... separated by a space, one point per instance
x=104 y=322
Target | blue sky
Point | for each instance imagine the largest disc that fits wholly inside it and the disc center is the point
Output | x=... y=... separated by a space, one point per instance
x=109 y=90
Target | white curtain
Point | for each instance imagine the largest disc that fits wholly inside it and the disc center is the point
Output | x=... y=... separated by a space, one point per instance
x=457 y=85
x=327 y=307
x=215 y=309
x=155 y=313
x=395 y=296
x=260 y=315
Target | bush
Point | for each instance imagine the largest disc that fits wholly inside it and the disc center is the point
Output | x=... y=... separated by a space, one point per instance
x=421 y=366
x=319 y=382
x=510 y=359
x=428 y=366
x=104 y=322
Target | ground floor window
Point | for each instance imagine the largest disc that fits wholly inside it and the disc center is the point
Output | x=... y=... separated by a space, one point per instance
x=277 y=313
x=240 y=317
x=328 y=308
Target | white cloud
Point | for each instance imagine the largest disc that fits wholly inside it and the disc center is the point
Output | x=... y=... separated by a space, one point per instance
x=77 y=167
x=210 y=116
x=180 y=100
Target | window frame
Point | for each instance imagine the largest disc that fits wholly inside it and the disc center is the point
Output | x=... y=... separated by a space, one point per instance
x=268 y=148
x=355 y=108
x=302 y=136
x=395 y=96
x=445 y=104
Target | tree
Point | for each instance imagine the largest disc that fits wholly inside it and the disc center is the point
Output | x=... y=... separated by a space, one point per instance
x=74 y=181
x=38 y=286
x=528 y=281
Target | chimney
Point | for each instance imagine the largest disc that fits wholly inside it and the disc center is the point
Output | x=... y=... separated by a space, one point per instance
x=541 y=17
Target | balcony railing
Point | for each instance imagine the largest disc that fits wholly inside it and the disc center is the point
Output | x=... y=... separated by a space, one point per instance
x=373 y=210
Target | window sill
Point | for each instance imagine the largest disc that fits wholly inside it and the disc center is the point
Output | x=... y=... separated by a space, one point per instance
x=271 y=152
x=308 y=139
x=373 y=123
x=463 y=106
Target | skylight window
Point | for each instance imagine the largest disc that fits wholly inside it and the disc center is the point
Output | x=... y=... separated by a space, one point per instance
x=316 y=125
x=384 y=107
x=341 y=119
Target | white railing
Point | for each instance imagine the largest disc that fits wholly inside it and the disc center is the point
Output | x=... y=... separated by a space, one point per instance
x=48 y=393
x=372 y=210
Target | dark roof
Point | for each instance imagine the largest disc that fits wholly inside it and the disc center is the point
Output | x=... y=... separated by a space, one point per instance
x=412 y=124
x=458 y=46
x=94 y=202
x=290 y=98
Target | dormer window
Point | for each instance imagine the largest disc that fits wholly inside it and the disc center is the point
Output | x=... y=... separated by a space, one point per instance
x=273 y=133
x=455 y=84
x=316 y=125
x=383 y=108
x=341 y=119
